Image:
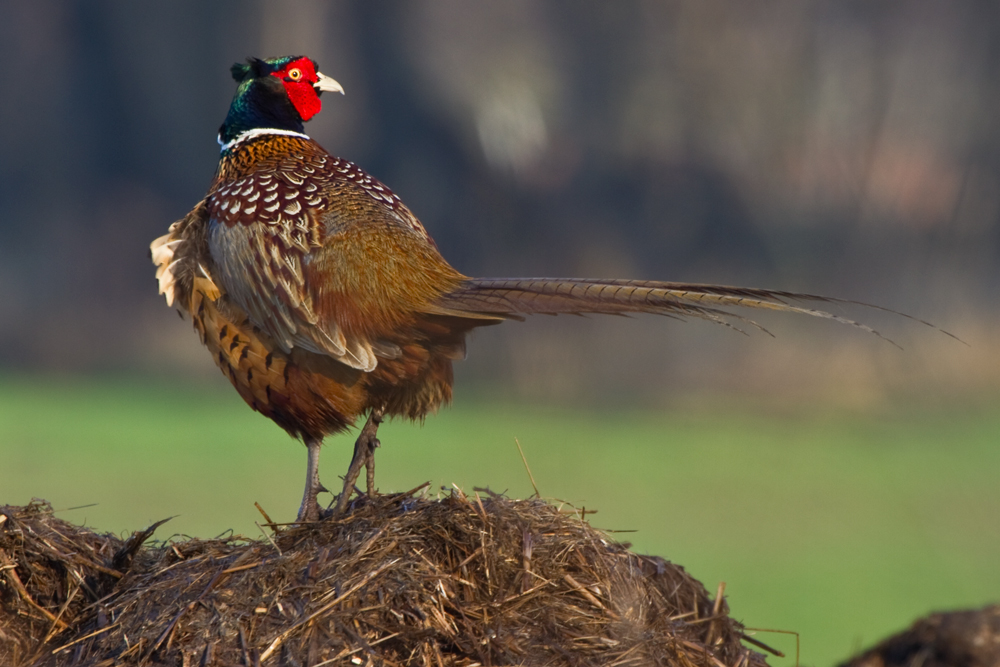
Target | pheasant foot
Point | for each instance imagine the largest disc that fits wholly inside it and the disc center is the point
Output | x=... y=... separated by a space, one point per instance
x=364 y=455
x=310 y=509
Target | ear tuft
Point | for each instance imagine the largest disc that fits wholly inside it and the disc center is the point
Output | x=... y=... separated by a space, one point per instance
x=240 y=72
x=255 y=67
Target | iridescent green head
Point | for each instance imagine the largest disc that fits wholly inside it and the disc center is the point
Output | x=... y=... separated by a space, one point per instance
x=278 y=93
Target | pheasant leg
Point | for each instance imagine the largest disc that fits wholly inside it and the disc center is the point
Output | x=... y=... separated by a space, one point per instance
x=364 y=455
x=310 y=510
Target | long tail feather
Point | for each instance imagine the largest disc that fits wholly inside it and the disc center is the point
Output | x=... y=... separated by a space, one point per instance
x=514 y=298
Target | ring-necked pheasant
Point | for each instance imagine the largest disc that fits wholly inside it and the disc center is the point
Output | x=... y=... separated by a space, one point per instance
x=322 y=297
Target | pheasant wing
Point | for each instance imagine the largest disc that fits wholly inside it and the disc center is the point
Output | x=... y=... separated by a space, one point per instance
x=323 y=257
x=265 y=228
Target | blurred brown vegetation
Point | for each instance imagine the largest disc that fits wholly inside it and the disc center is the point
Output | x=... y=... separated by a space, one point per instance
x=844 y=148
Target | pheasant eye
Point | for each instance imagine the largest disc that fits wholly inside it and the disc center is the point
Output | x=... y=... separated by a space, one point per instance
x=295 y=74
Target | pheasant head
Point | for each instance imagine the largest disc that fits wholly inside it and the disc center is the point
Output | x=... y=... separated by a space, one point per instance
x=278 y=93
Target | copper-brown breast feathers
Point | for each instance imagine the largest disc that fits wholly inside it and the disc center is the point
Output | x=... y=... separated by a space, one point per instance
x=315 y=289
x=306 y=394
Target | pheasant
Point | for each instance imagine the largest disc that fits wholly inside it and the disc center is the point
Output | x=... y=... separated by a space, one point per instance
x=322 y=297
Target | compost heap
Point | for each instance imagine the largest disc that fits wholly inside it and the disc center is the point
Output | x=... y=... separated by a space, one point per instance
x=401 y=580
x=964 y=638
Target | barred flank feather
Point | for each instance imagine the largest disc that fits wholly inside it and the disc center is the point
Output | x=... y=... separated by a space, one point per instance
x=550 y=296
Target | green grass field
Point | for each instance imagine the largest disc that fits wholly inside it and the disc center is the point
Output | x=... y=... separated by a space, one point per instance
x=843 y=528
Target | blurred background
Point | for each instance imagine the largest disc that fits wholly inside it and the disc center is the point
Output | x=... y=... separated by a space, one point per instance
x=841 y=486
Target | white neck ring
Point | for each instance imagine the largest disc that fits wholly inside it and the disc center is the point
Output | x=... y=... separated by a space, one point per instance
x=256 y=132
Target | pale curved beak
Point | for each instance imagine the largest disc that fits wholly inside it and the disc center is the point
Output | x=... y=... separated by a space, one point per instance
x=327 y=85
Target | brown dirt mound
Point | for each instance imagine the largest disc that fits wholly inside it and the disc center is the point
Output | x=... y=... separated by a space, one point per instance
x=954 y=639
x=402 y=580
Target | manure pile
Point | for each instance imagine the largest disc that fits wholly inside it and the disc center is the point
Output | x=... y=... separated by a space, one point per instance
x=964 y=638
x=402 y=580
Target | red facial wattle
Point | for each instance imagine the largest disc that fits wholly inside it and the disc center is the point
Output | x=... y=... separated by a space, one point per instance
x=299 y=77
